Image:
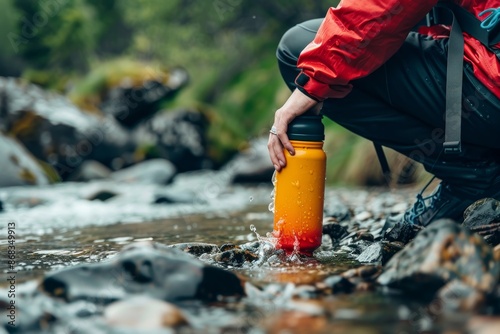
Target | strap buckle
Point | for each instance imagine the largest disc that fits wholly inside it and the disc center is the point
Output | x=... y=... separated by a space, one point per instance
x=452 y=147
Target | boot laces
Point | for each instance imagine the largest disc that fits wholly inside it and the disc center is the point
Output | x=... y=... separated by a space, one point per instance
x=421 y=206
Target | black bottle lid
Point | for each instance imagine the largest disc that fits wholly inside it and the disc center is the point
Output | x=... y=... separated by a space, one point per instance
x=306 y=128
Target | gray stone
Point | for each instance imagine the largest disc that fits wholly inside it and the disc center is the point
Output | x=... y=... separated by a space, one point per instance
x=155 y=171
x=18 y=167
x=143 y=313
x=483 y=217
x=57 y=132
x=251 y=165
x=196 y=248
x=440 y=253
x=178 y=136
x=143 y=268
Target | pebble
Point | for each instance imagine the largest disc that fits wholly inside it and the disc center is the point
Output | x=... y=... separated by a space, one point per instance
x=143 y=313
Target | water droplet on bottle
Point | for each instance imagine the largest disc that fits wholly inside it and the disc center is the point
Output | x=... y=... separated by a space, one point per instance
x=271 y=207
x=251 y=198
x=273 y=178
x=311 y=172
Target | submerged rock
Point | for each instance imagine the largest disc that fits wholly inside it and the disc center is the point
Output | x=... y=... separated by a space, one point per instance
x=141 y=312
x=196 y=248
x=18 y=167
x=236 y=257
x=483 y=217
x=439 y=254
x=151 y=269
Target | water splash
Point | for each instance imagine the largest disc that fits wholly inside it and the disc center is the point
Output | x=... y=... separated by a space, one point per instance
x=270 y=254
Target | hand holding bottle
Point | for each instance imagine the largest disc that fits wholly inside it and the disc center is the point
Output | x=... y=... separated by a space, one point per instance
x=297 y=104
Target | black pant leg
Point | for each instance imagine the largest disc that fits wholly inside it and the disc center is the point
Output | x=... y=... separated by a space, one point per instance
x=401 y=105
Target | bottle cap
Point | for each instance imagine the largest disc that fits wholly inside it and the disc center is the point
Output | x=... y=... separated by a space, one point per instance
x=306 y=128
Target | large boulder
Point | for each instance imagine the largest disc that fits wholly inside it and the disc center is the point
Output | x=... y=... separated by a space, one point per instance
x=178 y=136
x=137 y=96
x=149 y=269
x=442 y=252
x=483 y=217
x=251 y=165
x=55 y=131
x=18 y=166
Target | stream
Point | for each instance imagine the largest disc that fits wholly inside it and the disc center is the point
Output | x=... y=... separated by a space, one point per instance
x=71 y=224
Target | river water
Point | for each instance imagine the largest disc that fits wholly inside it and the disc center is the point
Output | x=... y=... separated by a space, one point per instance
x=69 y=224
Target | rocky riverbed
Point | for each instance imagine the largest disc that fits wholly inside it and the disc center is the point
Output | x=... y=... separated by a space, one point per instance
x=116 y=257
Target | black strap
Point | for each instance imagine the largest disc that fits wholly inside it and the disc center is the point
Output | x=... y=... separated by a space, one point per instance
x=453 y=113
x=454 y=77
x=386 y=170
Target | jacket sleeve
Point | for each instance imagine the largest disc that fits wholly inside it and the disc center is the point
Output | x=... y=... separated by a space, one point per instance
x=354 y=40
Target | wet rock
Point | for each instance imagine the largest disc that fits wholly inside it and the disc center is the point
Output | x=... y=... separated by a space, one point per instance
x=252 y=246
x=335 y=231
x=364 y=235
x=32 y=313
x=236 y=257
x=358 y=246
x=338 y=284
x=142 y=312
x=496 y=253
x=88 y=171
x=178 y=136
x=457 y=296
x=150 y=269
x=483 y=217
x=366 y=272
x=55 y=131
x=483 y=324
x=134 y=100
x=439 y=254
x=251 y=165
x=371 y=254
x=400 y=231
x=176 y=196
x=101 y=195
x=155 y=171
x=379 y=252
x=196 y=248
x=227 y=247
x=18 y=166
x=336 y=210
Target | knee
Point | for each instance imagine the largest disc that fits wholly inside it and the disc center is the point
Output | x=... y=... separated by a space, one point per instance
x=295 y=40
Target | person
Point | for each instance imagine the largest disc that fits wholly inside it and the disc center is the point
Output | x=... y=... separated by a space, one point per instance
x=365 y=67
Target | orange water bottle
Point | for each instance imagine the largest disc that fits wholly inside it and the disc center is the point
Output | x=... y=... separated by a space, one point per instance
x=300 y=188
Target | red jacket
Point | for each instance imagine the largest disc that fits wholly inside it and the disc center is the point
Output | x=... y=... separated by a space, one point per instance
x=358 y=37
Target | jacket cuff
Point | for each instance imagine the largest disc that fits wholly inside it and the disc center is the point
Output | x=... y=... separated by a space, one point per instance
x=320 y=91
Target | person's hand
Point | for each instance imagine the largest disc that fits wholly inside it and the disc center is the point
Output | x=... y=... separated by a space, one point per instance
x=297 y=104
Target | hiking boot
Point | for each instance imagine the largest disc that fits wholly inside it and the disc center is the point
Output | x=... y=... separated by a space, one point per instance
x=444 y=202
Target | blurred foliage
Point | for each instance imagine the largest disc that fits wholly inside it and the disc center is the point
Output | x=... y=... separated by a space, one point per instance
x=81 y=47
